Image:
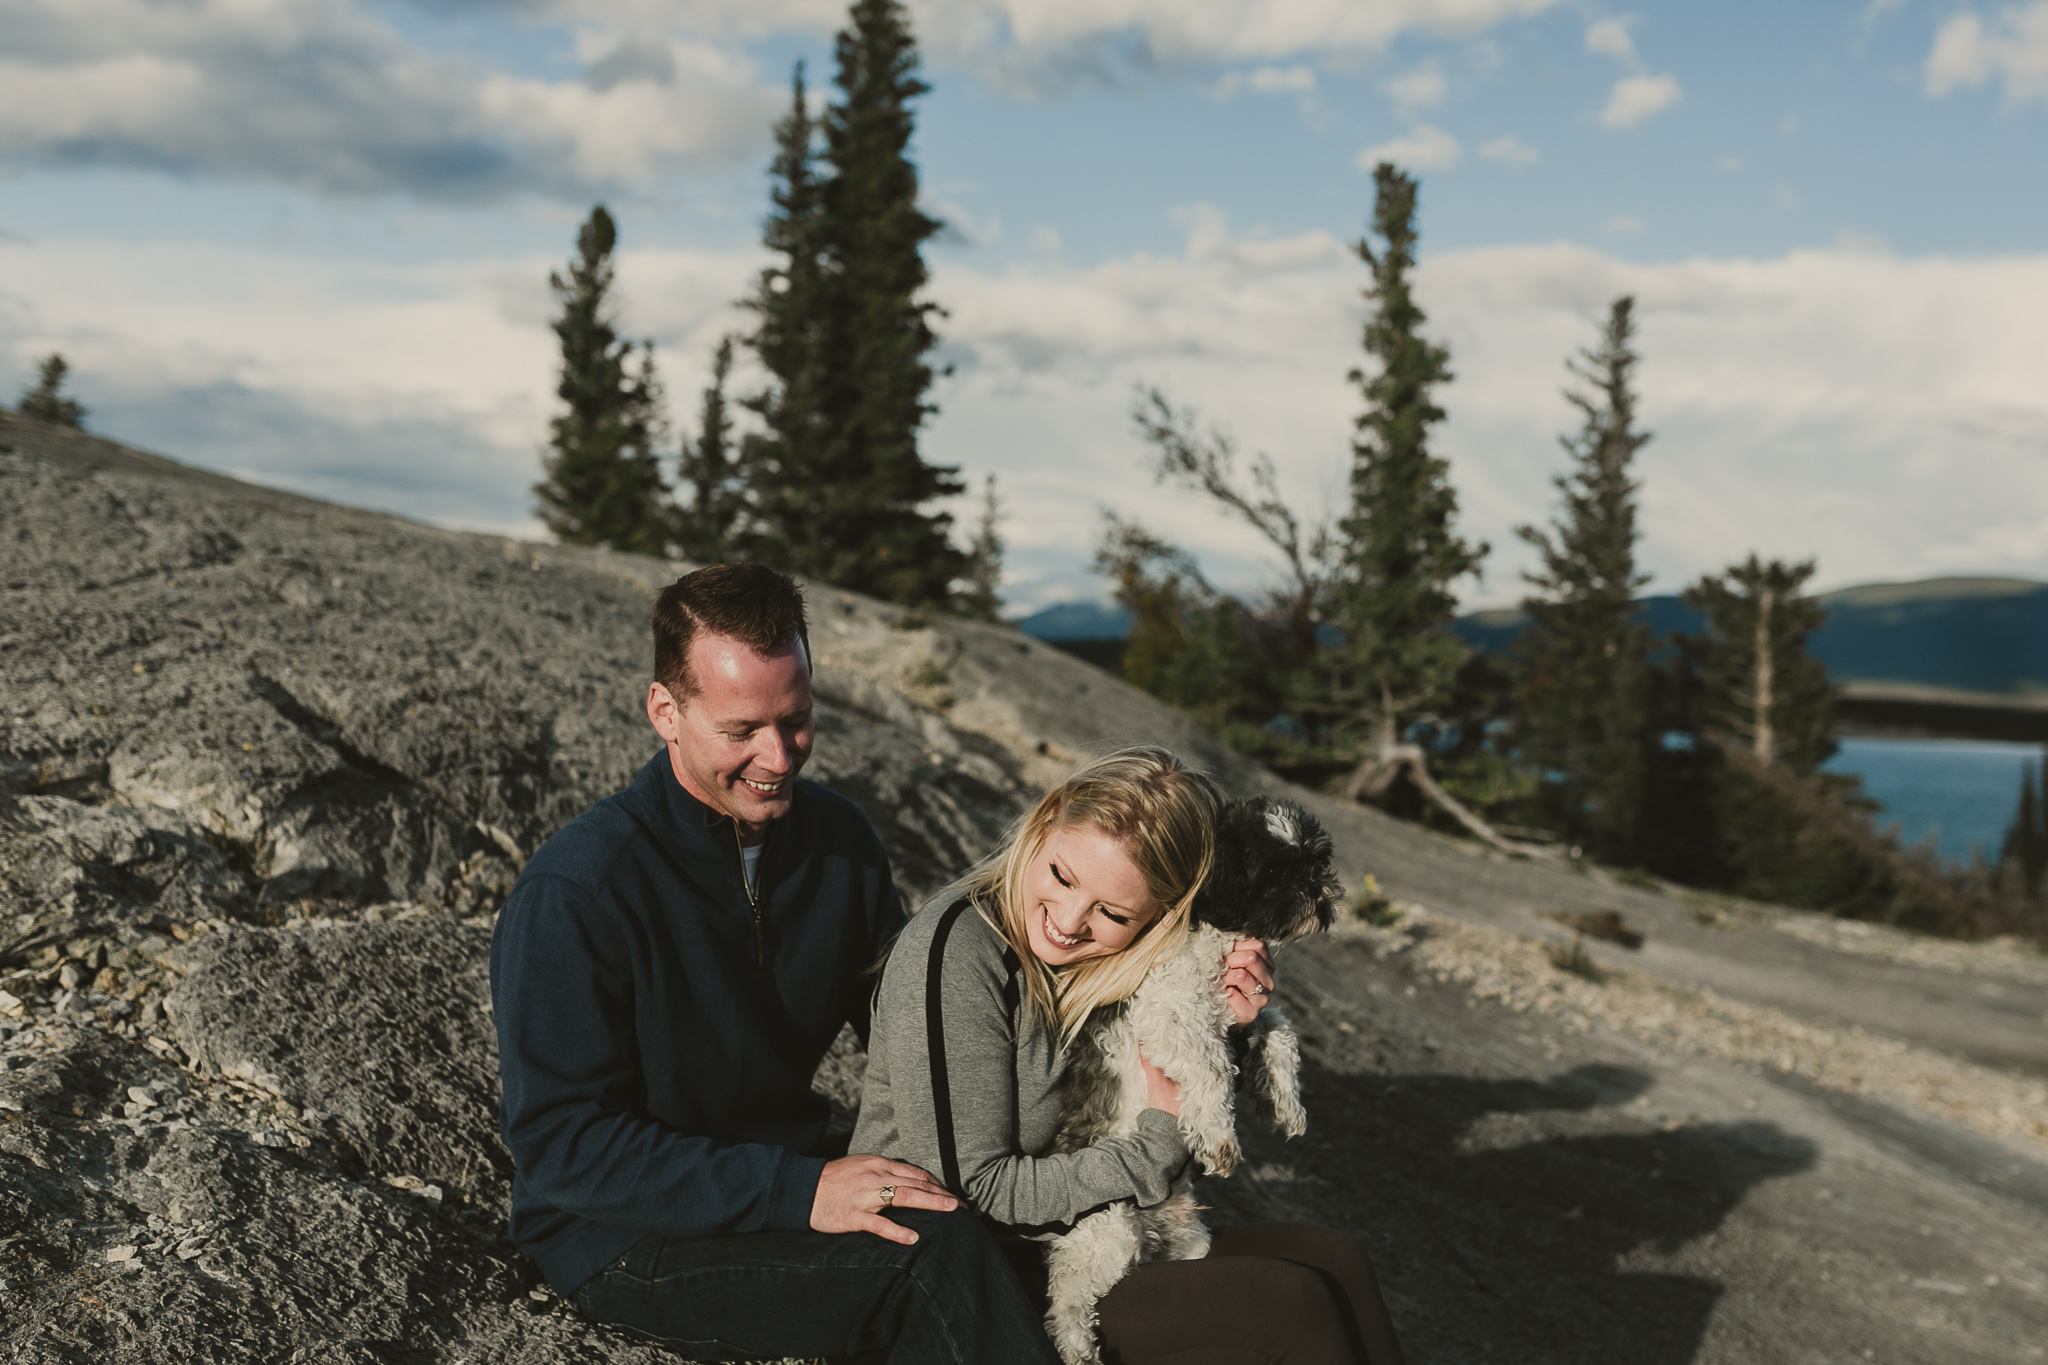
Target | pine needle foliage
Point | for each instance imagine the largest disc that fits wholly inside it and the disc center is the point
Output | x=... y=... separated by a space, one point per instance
x=47 y=399
x=709 y=526
x=1761 y=688
x=1392 y=599
x=981 y=601
x=788 y=457
x=1190 y=645
x=844 y=493
x=1585 y=703
x=603 y=482
x=2025 y=853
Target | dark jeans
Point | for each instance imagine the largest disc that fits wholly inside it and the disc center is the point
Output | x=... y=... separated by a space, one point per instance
x=950 y=1299
x=1267 y=1294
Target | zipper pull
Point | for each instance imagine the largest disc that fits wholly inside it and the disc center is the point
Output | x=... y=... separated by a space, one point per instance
x=753 y=900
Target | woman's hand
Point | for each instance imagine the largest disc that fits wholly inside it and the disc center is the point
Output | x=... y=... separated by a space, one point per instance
x=1247 y=979
x=1160 y=1091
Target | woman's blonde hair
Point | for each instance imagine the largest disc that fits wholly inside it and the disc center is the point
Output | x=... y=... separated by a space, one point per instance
x=1164 y=816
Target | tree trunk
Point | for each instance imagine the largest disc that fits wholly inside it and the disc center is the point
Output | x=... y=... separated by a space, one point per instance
x=1376 y=772
x=1766 y=741
x=1378 y=769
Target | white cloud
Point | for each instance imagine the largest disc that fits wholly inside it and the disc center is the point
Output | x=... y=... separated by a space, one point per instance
x=1040 y=46
x=1610 y=38
x=321 y=94
x=1637 y=99
x=1422 y=88
x=1298 y=81
x=328 y=95
x=1510 y=151
x=2013 y=47
x=1422 y=148
x=1882 y=412
x=1092 y=33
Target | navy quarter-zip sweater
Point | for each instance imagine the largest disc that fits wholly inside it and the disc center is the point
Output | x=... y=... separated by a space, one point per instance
x=657 y=1036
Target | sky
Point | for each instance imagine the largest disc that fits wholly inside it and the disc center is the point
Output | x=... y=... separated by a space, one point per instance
x=307 y=242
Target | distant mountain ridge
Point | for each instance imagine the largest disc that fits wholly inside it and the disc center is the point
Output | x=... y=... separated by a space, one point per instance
x=1987 y=636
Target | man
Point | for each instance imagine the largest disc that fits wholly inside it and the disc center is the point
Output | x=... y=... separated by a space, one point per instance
x=666 y=975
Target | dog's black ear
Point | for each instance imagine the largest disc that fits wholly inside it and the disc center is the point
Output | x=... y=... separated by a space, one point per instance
x=1311 y=865
x=1273 y=877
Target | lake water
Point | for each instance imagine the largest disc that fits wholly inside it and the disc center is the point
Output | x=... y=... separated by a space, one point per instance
x=1965 y=792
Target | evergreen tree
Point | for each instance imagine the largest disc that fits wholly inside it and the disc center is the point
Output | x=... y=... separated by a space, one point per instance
x=47 y=401
x=1207 y=462
x=2026 y=844
x=985 y=561
x=603 y=483
x=1188 y=644
x=870 y=529
x=1393 y=599
x=1761 y=688
x=787 y=462
x=839 y=489
x=1585 y=704
x=708 y=528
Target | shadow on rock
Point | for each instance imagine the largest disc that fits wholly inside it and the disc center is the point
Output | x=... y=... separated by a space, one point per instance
x=1519 y=1219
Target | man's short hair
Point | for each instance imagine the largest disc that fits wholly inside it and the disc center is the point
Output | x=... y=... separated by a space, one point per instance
x=751 y=603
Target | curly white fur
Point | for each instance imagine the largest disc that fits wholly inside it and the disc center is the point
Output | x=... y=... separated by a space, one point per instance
x=1177 y=1019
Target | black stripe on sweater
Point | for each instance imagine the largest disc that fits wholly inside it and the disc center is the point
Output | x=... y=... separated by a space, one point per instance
x=935 y=1039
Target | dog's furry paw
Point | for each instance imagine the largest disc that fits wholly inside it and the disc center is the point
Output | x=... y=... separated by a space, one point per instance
x=1275 y=1073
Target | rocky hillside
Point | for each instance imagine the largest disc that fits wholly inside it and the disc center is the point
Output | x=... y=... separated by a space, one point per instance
x=268 y=766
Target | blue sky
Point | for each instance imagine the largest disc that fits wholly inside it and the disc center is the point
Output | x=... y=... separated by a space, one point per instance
x=306 y=241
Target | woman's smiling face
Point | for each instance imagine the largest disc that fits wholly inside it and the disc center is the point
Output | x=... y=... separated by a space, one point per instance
x=1087 y=899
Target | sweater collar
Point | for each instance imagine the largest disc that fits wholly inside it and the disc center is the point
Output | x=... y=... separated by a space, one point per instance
x=689 y=829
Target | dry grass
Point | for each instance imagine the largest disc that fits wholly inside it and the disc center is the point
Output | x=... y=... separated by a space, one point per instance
x=1521 y=974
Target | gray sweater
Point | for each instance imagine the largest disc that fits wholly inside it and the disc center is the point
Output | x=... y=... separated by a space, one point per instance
x=1003 y=1069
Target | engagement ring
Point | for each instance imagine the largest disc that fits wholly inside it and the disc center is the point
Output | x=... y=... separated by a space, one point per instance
x=1258 y=989
x=888 y=1195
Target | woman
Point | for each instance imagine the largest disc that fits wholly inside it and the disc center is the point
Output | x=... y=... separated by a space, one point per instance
x=1091 y=889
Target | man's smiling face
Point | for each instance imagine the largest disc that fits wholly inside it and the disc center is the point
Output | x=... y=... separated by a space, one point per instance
x=738 y=743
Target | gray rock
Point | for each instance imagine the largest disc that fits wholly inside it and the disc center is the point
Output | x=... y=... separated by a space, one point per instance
x=268 y=767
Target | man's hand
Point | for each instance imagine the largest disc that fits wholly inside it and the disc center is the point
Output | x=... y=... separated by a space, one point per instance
x=1247 y=979
x=849 y=1197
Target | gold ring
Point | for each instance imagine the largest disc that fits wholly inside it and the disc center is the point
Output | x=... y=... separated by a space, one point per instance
x=1258 y=989
x=888 y=1195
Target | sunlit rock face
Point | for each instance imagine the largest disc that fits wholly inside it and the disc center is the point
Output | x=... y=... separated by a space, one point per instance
x=267 y=770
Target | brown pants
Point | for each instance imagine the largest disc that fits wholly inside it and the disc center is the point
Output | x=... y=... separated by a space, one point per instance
x=1267 y=1294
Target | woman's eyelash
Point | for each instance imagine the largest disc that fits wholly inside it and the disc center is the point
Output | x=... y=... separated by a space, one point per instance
x=1057 y=877
x=1113 y=918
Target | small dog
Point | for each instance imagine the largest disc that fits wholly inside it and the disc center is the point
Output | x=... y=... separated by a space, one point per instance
x=1272 y=880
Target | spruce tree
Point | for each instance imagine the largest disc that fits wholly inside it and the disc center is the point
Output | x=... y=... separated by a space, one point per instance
x=603 y=483
x=1762 y=690
x=786 y=460
x=981 y=601
x=1585 y=705
x=708 y=527
x=1392 y=599
x=47 y=401
x=2026 y=843
x=870 y=528
x=1188 y=644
